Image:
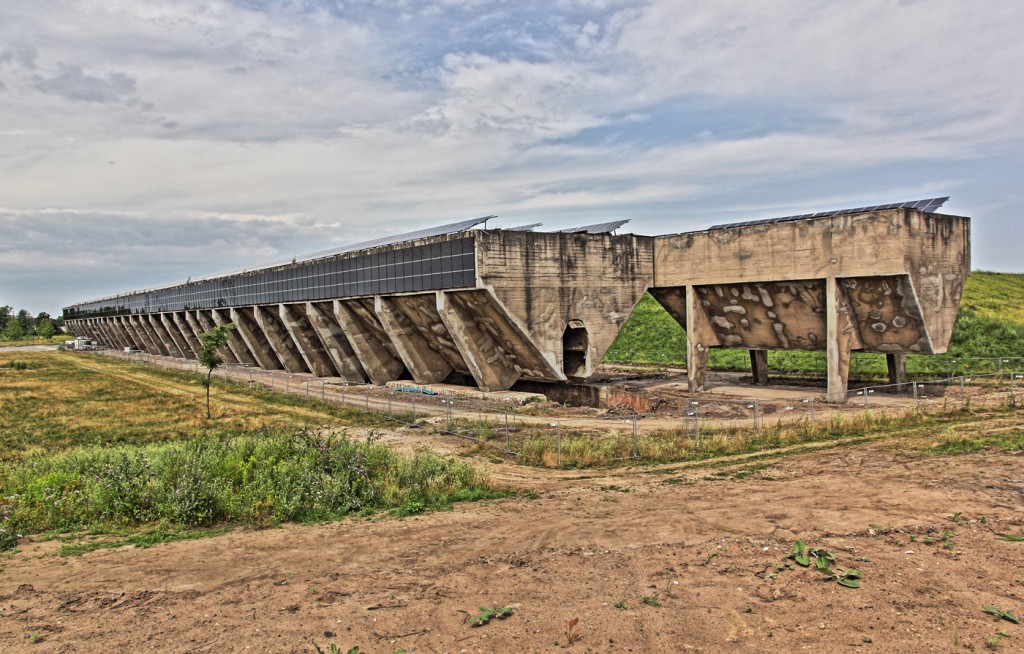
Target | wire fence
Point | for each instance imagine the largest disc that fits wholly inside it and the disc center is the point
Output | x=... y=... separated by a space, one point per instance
x=702 y=424
x=863 y=365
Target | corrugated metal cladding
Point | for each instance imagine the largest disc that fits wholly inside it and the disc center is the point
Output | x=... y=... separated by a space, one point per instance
x=434 y=266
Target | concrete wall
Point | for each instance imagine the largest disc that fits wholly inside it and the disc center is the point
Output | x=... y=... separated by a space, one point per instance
x=887 y=281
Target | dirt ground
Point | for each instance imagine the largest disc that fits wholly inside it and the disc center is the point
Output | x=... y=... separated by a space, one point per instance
x=705 y=545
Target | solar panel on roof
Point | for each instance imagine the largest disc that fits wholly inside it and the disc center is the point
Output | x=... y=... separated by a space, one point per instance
x=599 y=228
x=525 y=228
x=926 y=206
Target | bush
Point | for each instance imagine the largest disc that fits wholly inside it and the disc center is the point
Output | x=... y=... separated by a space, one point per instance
x=256 y=479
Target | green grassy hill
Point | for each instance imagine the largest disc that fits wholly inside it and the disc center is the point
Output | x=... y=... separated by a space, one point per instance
x=990 y=325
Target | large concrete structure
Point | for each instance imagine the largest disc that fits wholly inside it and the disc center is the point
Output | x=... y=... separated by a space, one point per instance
x=495 y=306
x=886 y=281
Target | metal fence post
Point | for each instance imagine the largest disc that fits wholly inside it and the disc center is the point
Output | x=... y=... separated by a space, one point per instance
x=323 y=390
x=506 y=432
x=963 y=394
x=757 y=418
x=414 y=408
x=307 y=389
x=636 y=445
x=367 y=397
x=559 y=424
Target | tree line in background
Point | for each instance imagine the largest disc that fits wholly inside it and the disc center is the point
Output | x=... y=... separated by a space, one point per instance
x=23 y=325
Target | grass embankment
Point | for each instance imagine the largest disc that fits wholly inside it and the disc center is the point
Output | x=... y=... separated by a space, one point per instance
x=104 y=446
x=990 y=325
x=957 y=432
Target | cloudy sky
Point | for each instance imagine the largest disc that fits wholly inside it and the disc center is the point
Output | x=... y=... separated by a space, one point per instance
x=145 y=142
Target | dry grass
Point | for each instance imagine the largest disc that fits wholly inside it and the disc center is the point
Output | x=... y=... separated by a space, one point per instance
x=68 y=399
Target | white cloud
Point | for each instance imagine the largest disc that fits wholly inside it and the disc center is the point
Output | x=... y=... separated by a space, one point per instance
x=306 y=121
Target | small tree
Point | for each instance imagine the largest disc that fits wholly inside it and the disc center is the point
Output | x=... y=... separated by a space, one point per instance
x=15 y=332
x=44 y=328
x=210 y=358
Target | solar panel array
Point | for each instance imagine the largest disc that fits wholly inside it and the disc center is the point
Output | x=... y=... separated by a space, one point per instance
x=599 y=228
x=925 y=206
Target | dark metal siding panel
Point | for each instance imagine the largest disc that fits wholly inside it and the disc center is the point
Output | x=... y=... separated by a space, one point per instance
x=450 y=263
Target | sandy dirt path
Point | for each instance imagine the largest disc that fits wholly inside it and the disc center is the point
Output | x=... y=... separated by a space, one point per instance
x=701 y=543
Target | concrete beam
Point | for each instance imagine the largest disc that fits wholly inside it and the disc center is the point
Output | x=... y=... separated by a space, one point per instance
x=250 y=332
x=109 y=338
x=369 y=341
x=335 y=343
x=842 y=338
x=122 y=333
x=185 y=329
x=421 y=310
x=280 y=342
x=475 y=338
x=425 y=365
x=237 y=349
x=309 y=347
x=158 y=343
x=759 y=366
x=206 y=322
x=148 y=340
x=180 y=344
x=133 y=336
x=163 y=336
x=700 y=336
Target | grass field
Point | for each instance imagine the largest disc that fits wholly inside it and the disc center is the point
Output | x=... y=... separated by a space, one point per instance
x=990 y=325
x=65 y=400
x=91 y=444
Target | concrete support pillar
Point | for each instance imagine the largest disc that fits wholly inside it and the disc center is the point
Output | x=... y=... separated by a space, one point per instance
x=161 y=333
x=180 y=344
x=236 y=350
x=122 y=333
x=133 y=336
x=108 y=337
x=206 y=320
x=187 y=333
x=759 y=366
x=487 y=362
x=250 y=332
x=309 y=348
x=700 y=336
x=425 y=365
x=145 y=320
x=147 y=337
x=842 y=338
x=367 y=339
x=335 y=343
x=280 y=342
x=896 y=364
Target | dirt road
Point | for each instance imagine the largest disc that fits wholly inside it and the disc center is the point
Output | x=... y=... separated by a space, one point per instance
x=705 y=546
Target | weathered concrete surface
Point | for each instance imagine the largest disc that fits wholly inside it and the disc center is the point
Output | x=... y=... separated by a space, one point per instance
x=544 y=282
x=293 y=317
x=369 y=341
x=896 y=280
x=424 y=363
x=332 y=337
